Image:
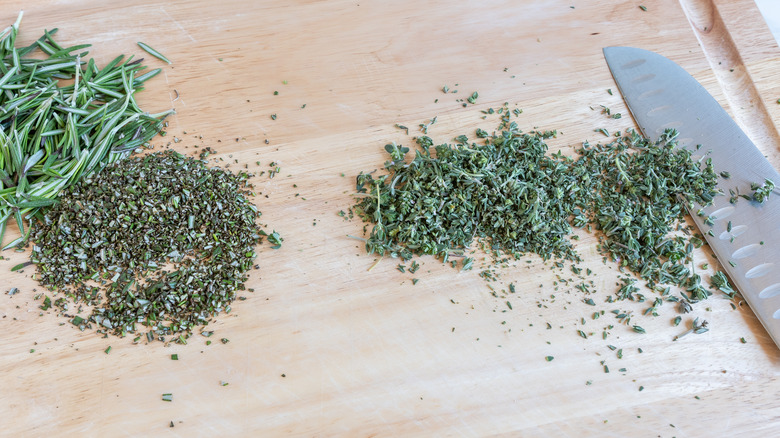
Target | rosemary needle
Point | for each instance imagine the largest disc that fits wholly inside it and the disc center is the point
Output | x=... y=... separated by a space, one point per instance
x=153 y=52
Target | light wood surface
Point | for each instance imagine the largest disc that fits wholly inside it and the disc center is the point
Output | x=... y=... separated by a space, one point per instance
x=324 y=347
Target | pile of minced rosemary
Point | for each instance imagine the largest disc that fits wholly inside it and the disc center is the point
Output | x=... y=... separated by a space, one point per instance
x=505 y=191
x=156 y=243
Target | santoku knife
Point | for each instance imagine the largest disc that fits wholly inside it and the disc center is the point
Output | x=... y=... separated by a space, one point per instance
x=661 y=95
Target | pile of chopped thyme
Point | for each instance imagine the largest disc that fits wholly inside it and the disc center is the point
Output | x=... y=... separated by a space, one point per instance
x=509 y=194
x=507 y=191
x=637 y=193
x=167 y=240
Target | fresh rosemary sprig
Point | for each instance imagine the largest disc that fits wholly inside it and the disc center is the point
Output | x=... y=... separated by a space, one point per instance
x=62 y=118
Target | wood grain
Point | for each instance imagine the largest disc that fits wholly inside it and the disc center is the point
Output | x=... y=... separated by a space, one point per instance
x=323 y=347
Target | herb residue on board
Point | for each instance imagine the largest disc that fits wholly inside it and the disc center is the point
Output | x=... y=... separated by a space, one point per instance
x=161 y=241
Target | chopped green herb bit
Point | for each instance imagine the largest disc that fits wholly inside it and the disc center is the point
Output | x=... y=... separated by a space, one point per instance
x=549 y=358
x=107 y=350
x=274 y=238
x=46 y=303
x=402 y=127
x=174 y=356
x=696 y=328
x=720 y=281
x=167 y=397
x=761 y=192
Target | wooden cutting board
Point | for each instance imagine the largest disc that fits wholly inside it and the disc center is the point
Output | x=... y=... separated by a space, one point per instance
x=325 y=347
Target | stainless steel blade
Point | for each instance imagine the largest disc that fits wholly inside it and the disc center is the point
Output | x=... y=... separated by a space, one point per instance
x=661 y=95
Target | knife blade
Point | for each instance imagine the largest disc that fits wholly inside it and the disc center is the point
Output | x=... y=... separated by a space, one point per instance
x=661 y=95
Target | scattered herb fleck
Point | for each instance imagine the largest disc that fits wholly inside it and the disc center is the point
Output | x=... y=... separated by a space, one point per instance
x=696 y=328
x=761 y=192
